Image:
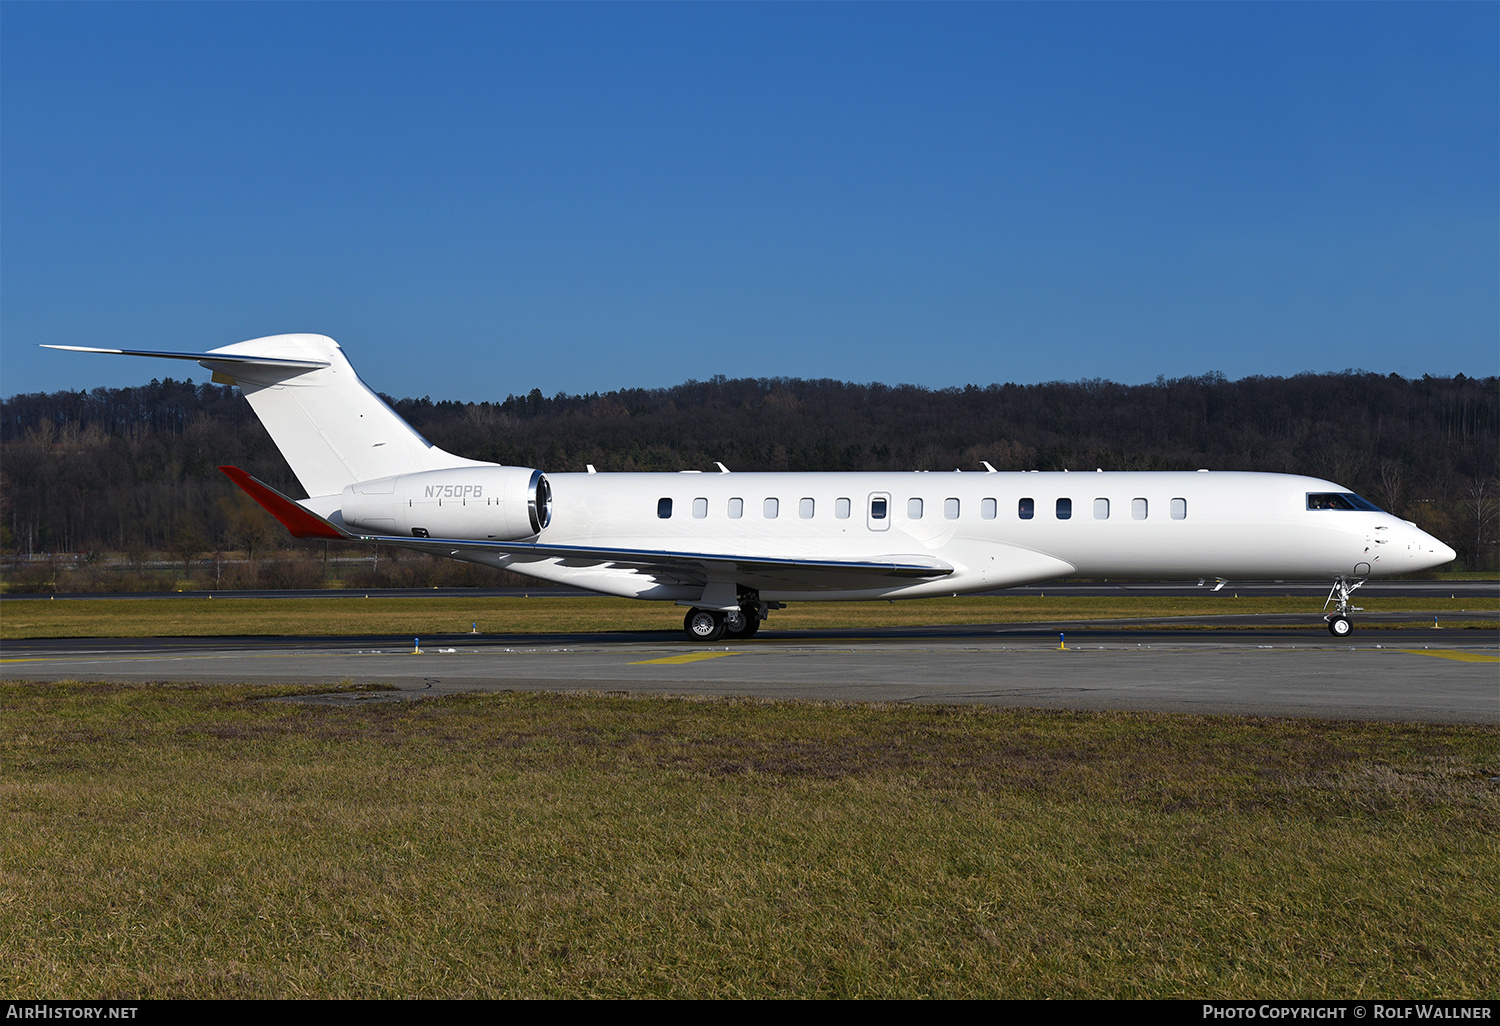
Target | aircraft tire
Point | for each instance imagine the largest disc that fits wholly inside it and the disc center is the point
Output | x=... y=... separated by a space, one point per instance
x=749 y=623
x=1339 y=626
x=703 y=624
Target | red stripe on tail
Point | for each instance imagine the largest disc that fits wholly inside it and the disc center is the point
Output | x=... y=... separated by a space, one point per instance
x=302 y=523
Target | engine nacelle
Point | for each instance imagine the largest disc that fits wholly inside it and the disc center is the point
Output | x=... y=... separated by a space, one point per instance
x=495 y=503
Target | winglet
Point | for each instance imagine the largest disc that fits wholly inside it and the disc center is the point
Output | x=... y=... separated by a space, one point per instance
x=301 y=522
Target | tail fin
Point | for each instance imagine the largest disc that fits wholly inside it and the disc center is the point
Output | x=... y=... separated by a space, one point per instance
x=332 y=429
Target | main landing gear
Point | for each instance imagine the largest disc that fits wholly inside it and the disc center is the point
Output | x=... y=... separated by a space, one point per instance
x=712 y=624
x=1339 y=624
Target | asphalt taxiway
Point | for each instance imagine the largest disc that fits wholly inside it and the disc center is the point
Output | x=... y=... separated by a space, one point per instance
x=1438 y=674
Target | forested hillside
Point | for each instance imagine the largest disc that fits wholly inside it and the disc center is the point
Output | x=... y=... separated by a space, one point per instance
x=134 y=469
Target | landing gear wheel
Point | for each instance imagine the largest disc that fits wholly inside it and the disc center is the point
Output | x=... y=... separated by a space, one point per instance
x=703 y=625
x=1338 y=597
x=741 y=624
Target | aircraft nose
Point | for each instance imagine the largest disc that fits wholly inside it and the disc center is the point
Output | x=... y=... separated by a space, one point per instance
x=1430 y=552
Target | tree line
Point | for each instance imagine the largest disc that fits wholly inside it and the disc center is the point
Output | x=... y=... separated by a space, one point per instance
x=134 y=469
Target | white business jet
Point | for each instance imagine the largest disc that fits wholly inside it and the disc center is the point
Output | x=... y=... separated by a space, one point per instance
x=732 y=547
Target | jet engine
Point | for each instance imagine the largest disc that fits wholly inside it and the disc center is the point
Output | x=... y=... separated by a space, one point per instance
x=495 y=503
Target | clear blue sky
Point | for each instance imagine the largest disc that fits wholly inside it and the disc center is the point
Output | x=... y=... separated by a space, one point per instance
x=477 y=199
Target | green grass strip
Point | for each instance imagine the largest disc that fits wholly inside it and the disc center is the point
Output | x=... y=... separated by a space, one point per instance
x=99 y=618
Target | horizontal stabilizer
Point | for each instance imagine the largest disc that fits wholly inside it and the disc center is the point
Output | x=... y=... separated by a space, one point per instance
x=295 y=518
x=242 y=361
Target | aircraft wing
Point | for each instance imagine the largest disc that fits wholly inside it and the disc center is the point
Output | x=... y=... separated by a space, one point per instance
x=694 y=568
x=665 y=565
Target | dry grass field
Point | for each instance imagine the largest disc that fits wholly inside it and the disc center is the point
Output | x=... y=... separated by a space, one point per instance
x=176 y=841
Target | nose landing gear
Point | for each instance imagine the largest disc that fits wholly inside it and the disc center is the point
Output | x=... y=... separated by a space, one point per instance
x=1339 y=624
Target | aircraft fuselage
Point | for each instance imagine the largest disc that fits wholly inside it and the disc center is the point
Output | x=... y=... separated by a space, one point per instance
x=994 y=529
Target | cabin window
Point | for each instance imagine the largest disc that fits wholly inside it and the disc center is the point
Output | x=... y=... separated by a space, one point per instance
x=805 y=509
x=1179 y=509
x=664 y=508
x=914 y=509
x=841 y=508
x=987 y=509
x=877 y=509
x=700 y=509
x=1137 y=509
x=1101 y=509
x=736 y=508
x=772 y=509
x=1064 y=509
x=950 y=509
x=1026 y=509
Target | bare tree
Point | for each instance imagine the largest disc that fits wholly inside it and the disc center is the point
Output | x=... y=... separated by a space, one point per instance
x=1481 y=505
x=1393 y=486
x=185 y=544
x=249 y=527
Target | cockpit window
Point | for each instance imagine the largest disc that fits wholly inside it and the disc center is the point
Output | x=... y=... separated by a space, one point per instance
x=1340 y=500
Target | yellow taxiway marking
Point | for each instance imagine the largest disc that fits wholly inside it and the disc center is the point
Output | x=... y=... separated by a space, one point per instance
x=1445 y=653
x=686 y=657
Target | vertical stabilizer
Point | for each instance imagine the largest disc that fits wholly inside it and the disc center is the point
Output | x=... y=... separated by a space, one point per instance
x=332 y=429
